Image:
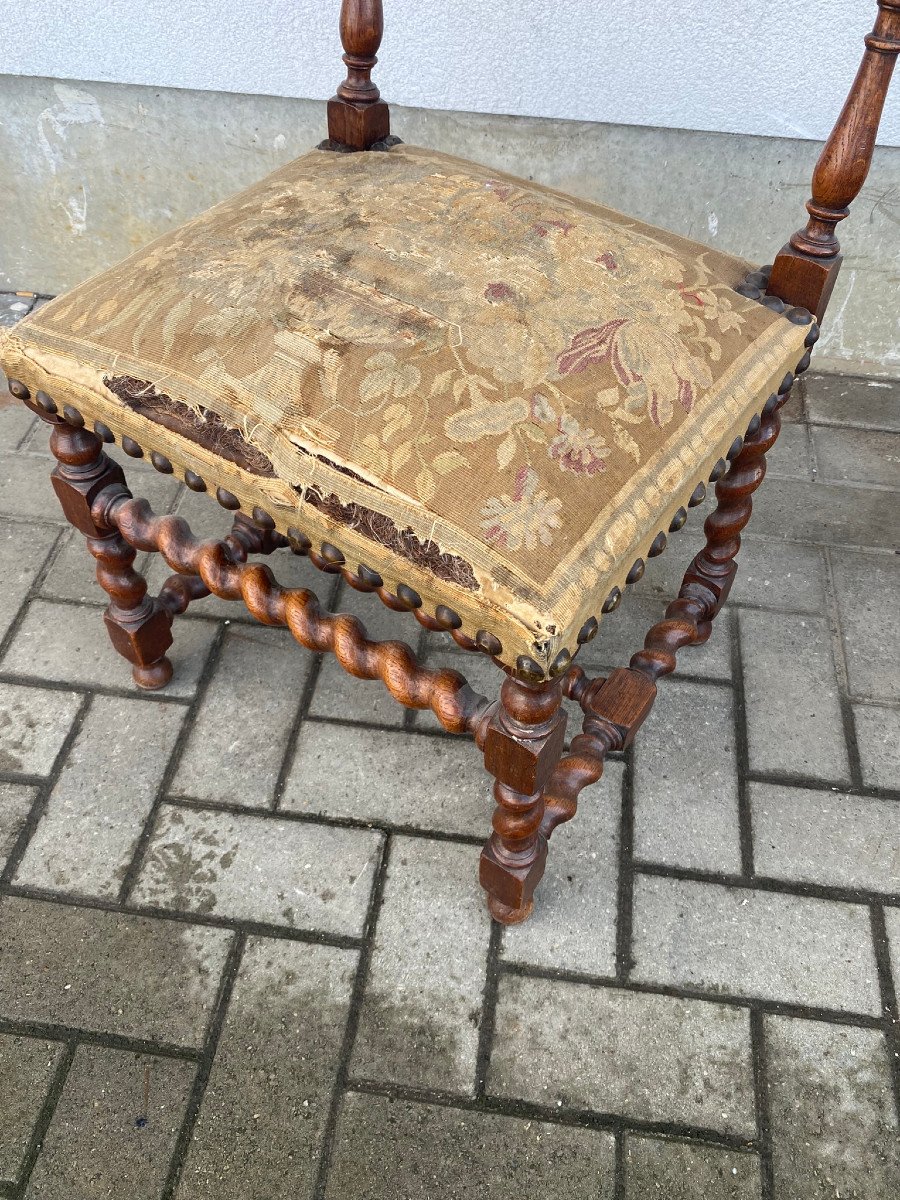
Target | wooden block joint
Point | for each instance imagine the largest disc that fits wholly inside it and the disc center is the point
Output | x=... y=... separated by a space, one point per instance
x=358 y=125
x=624 y=700
x=524 y=764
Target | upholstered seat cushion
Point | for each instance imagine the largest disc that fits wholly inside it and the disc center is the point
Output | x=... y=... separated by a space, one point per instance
x=492 y=392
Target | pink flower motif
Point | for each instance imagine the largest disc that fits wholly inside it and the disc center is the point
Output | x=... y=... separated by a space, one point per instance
x=498 y=292
x=502 y=191
x=542 y=228
x=578 y=450
x=608 y=261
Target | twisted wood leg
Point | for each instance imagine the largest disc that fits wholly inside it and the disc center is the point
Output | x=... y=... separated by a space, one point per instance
x=523 y=744
x=138 y=627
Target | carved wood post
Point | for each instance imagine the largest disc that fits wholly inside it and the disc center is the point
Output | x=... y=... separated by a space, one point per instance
x=805 y=271
x=523 y=745
x=138 y=627
x=357 y=116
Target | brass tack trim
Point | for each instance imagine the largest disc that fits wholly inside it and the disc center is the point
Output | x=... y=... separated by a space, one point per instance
x=718 y=471
x=753 y=427
x=369 y=577
x=774 y=304
x=408 y=596
x=488 y=642
x=735 y=448
x=529 y=670
x=659 y=544
x=749 y=291
x=448 y=617
x=227 y=499
x=813 y=336
x=800 y=316
x=43 y=401
x=678 y=521
x=103 y=432
x=332 y=555
x=803 y=364
x=262 y=519
x=161 y=463
x=588 y=631
x=299 y=542
x=637 y=570
x=698 y=495
x=561 y=663
x=771 y=404
x=73 y=416
x=612 y=601
x=18 y=389
x=195 y=483
x=131 y=448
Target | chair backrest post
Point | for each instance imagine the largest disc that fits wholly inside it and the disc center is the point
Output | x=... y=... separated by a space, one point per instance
x=806 y=269
x=357 y=116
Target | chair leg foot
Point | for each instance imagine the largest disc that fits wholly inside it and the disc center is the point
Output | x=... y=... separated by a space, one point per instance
x=505 y=915
x=154 y=676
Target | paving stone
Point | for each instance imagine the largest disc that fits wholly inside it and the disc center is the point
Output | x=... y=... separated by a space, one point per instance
x=23 y=551
x=96 y=812
x=480 y=672
x=859 y=455
x=69 y=644
x=826 y=837
x=16 y=421
x=790 y=457
x=868 y=595
x=114 y=1127
x=636 y=1055
x=422 y=1006
x=25 y=489
x=685 y=780
x=15 y=805
x=622 y=634
x=264 y=1111
x=774 y=574
x=256 y=868
x=573 y=926
x=34 y=723
x=670 y=1170
x=389 y=778
x=27 y=1068
x=834 y=1129
x=341 y=695
x=234 y=751
x=826 y=514
x=845 y=400
x=878 y=738
x=92 y=969
x=794 y=721
x=13 y=307
x=387 y=1149
x=742 y=942
x=892 y=920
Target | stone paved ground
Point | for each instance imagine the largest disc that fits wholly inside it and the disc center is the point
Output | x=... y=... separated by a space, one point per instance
x=242 y=948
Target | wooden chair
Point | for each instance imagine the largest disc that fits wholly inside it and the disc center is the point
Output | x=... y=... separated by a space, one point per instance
x=484 y=401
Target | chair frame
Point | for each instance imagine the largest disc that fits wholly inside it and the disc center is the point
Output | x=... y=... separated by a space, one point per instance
x=521 y=735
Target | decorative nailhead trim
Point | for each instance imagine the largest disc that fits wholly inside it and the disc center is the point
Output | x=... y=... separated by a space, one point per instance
x=408 y=596
x=561 y=663
x=196 y=484
x=488 y=642
x=161 y=463
x=18 y=389
x=447 y=617
x=332 y=555
x=73 y=416
x=718 y=471
x=678 y=521
x=369 y=577
x=43 y=401
x=262 y=519
x=748 y=290
x=735 y=448
x=588 y=631
x=659 y=544
x=698 y=495
x=803 y=364
x=612 y=601
x=637 y=570
x=774 y=304
x=227 y=499
x=131 y=448
x=813 y=336
x=103 y=432
x=773 y=402
x=529 y=670
x=786 y=384
x=300 y=543
x=800 y=316
x=754 y=425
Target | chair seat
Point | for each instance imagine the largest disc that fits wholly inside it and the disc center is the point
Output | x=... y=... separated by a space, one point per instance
x=490 y=392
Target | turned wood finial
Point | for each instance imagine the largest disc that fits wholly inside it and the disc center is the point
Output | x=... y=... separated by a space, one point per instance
x=806 y=269
x=357 y=116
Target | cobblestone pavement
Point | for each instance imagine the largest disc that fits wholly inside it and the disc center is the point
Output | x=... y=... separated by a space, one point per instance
x=243 y=952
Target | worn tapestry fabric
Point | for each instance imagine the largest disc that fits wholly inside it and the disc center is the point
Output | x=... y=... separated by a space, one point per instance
x=491 y=391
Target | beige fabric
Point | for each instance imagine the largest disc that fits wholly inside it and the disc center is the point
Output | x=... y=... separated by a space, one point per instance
x=530 y=382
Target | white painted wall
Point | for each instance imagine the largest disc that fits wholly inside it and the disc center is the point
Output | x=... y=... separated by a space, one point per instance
x=770 y=67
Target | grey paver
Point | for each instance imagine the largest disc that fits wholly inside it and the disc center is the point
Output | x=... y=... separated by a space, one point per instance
x=25 y=488
x=389 y=1149
x=776 y=574
x=649 y=1057
x=826 y=837
x=34 y=723
x=827 y=514
x=573 y=926
x=259 y=675
x=622 y=633
x=264 y=1110
x=845 y=400
x=794 y=720
x=790 y=457
x=752 y=943
x=92 y=969
x=13 y=307
x=834 y=1129
x=671 y=1170
x=878 y=738
x=114 y=1127
x=15 y=804
x=68 y=644
x=685 y=780
x=97 y=809
x=16 y=420
x=27 y=1068
x=868 y=594
x=341 y=695
x=23 y=551
x=396 y=778
x=892 y=921
x=480 y=672
x=860 y=455
x=422 y=1005
x=260 y=869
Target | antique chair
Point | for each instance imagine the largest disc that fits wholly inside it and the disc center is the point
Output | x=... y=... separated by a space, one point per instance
x=485 y=401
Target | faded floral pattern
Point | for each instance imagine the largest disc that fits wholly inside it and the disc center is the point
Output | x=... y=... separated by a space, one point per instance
x=495 y=353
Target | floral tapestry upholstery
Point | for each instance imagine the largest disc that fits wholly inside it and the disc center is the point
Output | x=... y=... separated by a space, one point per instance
x=490 y=391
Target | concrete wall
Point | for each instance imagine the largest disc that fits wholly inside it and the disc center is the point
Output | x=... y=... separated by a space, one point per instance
x=768 y=67
x=92 y=171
